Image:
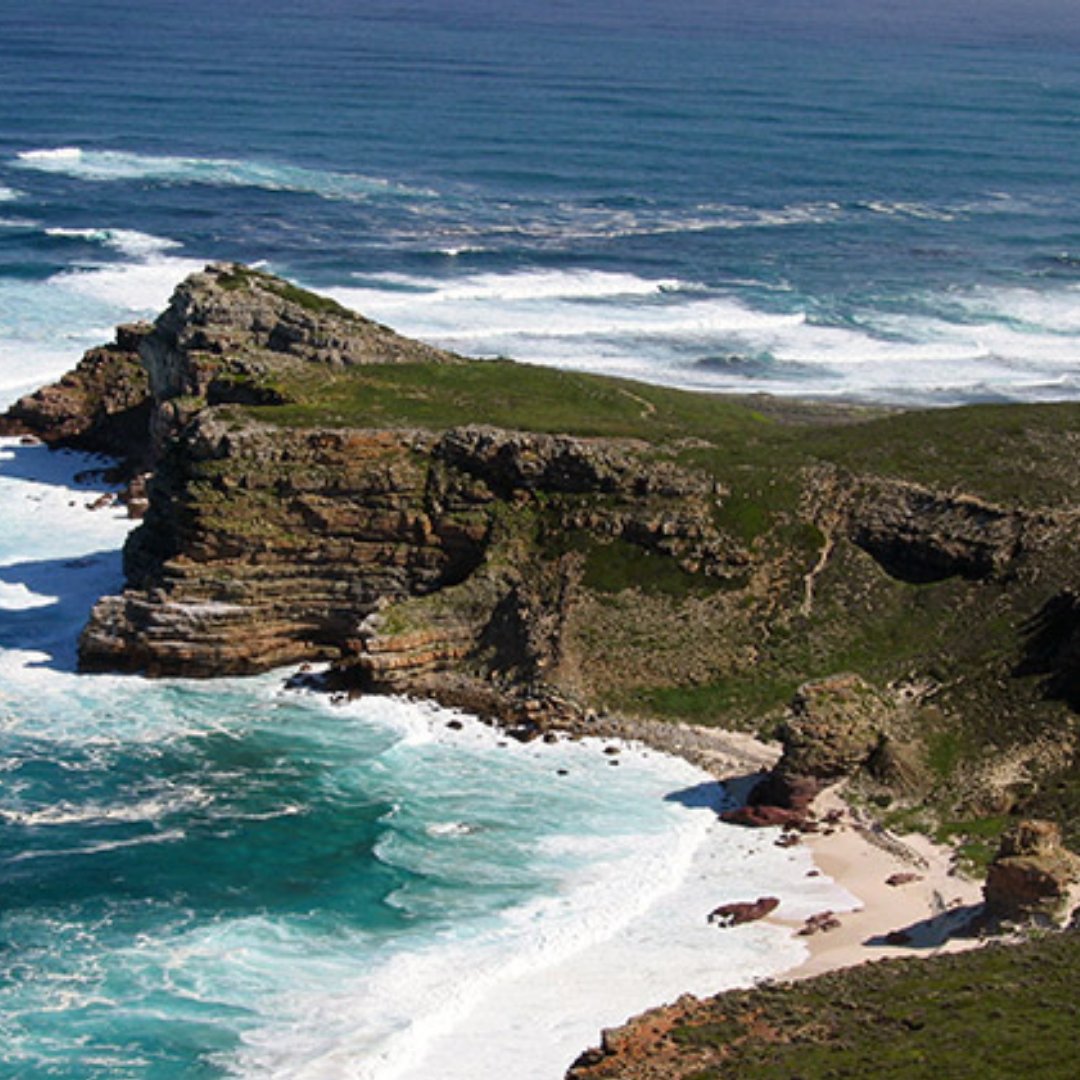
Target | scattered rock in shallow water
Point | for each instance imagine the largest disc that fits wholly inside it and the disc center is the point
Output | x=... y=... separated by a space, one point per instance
x=454 y=725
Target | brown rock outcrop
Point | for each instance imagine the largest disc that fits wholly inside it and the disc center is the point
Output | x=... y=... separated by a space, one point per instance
x=103 y=405
x=915 y=533
x=263 y=547
x=833 y=728
x=229 y=328
x=1031 y=875
x=919 y=535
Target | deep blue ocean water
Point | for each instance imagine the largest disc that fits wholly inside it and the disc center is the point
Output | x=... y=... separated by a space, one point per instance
x=868 y=200
x=828 y=198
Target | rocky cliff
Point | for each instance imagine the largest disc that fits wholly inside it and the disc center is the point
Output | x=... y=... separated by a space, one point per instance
x=547 y=546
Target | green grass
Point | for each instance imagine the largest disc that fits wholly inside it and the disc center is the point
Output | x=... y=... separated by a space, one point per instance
x=243 y=277
x=719 y=703
x=505 y=394
x=975 y=840
x=998 y=1012
x=616 y=565
x=1008 y=453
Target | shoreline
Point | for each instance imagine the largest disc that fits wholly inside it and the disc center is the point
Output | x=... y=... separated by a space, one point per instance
x=931 y=907
x=853 y=853
x=929 y=902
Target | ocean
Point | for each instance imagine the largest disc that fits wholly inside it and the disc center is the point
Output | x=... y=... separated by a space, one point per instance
x=831 y=200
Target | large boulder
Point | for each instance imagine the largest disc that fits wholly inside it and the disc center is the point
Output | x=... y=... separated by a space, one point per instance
x=833 y=729
x=1030 y=877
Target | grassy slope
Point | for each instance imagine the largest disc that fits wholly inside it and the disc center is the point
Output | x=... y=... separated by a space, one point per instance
x=994 y=1013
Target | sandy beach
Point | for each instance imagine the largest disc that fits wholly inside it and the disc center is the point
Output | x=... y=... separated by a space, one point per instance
x=929 y=901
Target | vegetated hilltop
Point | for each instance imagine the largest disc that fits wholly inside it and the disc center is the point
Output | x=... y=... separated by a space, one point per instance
x=543 y=545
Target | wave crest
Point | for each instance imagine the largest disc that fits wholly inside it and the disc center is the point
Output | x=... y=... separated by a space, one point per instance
x=115 y=165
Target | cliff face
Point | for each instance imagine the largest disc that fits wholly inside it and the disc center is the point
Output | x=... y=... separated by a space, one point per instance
x=265 y=546
x=540 y=545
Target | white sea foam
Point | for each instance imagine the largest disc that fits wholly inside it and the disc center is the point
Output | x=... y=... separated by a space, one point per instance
x=131 y=242
x=140 y=810
x=625 y=929
x=1009 y=342
x=8 y=194
x=117 y=165
x=910 y=209
x=562 y=224
x=141 y=287
x=98 y=847
x=56 y=555
x=46 y=326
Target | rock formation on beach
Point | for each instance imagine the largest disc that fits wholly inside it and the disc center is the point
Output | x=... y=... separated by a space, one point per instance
x=1030 y=878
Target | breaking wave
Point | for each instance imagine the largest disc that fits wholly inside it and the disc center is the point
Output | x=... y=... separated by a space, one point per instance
x=1001 y=343
x=117 y=165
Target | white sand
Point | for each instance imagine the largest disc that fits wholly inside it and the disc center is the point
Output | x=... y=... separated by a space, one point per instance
x=861 y=858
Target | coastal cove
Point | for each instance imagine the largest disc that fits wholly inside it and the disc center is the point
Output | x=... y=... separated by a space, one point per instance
x=598 y=950
x=601 y=560
x=291 y=886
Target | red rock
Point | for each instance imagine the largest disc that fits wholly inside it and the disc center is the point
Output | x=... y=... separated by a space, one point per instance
x=821 y=923
x=763 y=817
x=743 y=911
